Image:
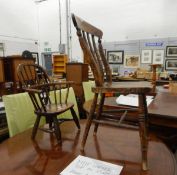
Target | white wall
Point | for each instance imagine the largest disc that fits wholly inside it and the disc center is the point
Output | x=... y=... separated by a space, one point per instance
x=128 y=19
x=18 y=26
x=48 y=15
x=23 y=21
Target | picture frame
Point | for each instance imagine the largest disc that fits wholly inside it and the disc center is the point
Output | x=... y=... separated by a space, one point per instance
x=36 y=57
x=171 y=64
x=171 y=51
x=115 y=57
x=146 y=56
x=158 y=56
x=115 y=69
x=132 y=61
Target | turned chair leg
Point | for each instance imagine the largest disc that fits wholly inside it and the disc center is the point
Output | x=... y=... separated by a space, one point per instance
x=35 y=127
x=57 y=129
x=99 y=111
x=75 y=118
x=143 y=130
x=89 y=121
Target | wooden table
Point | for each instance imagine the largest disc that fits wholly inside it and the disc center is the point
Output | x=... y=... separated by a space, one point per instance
x=163 y=110
x=21 y=156
x=162 y=114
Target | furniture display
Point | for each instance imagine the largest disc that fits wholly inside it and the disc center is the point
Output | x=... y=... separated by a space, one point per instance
x=162 y=116
x=78 y=73
x=48 y=103
x=25 y=156
x=46 y=97
x=31 y=74
x=59 y=64
x=20 y=111
x=90 y=41
x=10 y=69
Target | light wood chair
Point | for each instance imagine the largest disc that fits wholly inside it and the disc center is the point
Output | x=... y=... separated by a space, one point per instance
x=90 y=41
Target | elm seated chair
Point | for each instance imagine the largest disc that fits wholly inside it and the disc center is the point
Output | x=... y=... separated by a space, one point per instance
x=90 y=41
x=46 y=97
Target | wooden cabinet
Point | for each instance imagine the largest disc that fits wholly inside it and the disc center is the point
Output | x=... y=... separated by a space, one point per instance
x=10 y=68
x=2 y=77
x=59 y=64
x=78 y=72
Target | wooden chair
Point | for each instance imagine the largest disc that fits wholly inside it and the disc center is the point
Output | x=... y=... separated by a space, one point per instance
x=31 y=74
x=46 y=97
x=91 y=44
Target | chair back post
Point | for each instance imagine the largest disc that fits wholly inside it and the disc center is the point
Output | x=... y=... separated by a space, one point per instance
x=93 y=52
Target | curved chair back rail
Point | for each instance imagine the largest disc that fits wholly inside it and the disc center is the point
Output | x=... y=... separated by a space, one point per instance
x=31 y=74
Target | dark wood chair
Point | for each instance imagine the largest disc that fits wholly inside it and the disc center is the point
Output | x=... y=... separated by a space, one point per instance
x=46 y=97
x=90 y=41
x=31 y=74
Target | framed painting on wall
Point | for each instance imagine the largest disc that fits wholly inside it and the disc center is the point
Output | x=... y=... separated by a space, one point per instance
x=146 y=56
x=132 y=61
x=158 y=56
x=115 y=57
x=171 y=51
x=171 y=64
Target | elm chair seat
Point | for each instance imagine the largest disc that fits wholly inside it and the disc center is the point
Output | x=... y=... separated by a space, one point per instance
x=90 y=39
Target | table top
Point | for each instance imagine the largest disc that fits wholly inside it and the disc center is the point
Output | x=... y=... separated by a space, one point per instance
x=164 y=104
x=20 y=155
x=161 y=111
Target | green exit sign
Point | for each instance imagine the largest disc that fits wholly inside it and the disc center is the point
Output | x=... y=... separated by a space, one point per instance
x=47 y=49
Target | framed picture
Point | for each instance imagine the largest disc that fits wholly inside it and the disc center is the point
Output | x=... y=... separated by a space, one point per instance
x=115 y=69
x=171 y=51
x=146 y=56
x=115 y=57
x=132 y=61
x=36 y=57
x=158 y=56
x=171 y=64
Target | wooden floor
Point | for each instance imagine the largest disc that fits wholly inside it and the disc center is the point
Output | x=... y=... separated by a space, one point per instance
x=21 y=156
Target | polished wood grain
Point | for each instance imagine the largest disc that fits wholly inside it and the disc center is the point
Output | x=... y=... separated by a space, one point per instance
x=162 y=110
x=22 y=156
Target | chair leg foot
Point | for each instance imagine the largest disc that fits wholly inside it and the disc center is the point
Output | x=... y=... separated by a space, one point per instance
x=144 y=166
x=57 y=129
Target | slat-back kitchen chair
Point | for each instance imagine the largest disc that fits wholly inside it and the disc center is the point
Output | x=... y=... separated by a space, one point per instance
x=90 y=39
